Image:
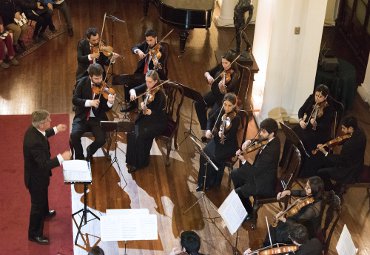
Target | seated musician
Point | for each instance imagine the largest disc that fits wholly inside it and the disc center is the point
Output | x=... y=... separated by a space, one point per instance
x=315 y=119
x=258 y=177
x=306 y=211
x=190 y=244
x=150 y=58
x=302 y=245
x=222 y=79
x=6 y=43
x=222 y=128
x=88 y=52
x=90 y=109
x=151 y=122
x=346 y=166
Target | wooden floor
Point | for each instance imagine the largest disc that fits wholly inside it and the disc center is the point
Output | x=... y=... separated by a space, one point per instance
x=45 y=79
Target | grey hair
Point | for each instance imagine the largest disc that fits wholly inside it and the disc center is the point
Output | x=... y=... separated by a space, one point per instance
x=38 y=117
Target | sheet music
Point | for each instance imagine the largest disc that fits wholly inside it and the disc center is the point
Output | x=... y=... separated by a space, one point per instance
x=128 y=227
x=232 y=212
x=76 y=171
x=345 y=245
x=127 y=211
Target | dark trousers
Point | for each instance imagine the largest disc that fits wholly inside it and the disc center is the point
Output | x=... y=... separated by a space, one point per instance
x=42 y=21
x=129 y=81
x=208 y=174
x=82 y=126
x=210 y=101
x=39 y=209
x=244 y=187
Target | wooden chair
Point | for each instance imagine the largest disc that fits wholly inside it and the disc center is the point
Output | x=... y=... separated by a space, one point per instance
x=286 y=176
x=338 y=114
x=175 y=98
x=330 y=217
x=242 y=133
x=164 y=57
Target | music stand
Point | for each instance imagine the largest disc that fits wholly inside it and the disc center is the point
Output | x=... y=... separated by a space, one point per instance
x=203 y=192
x=116 y=126
x=78 y=171
x=196 y=97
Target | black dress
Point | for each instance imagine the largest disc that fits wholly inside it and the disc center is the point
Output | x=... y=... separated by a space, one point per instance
x=217 y=151
x=147 y=127
x=214 y=97
x=312 y=137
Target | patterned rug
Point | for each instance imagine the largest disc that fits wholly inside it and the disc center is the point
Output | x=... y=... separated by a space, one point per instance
x=32 y=46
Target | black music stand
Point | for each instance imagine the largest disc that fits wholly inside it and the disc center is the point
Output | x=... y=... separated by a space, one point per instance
x=116 y=126
x=196 y=97
x=72 y=175
x=203 y=192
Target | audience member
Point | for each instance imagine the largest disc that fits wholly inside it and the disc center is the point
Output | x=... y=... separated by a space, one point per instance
x=6 y=42
x=64 y=8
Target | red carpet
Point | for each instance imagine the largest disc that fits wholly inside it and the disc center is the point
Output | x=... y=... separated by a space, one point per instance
x=15 y=199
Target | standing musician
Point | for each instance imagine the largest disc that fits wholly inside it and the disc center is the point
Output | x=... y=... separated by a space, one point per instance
x=223 y=143
x=315 y=118
x=151 y=122
x=302 y=245
x=89 y=51
x=258 y=177
x=90 y=108
x=346 y=166
x=151 y=57
x=306 y=211
x=222 y=79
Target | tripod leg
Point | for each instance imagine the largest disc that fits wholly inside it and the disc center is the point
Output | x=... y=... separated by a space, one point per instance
x=196 y=202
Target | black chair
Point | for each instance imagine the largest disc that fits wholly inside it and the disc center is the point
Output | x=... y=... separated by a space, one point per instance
x=286 y=176
x=242 y=133
x=164 y=57
x=330 y=217
x=175 y=97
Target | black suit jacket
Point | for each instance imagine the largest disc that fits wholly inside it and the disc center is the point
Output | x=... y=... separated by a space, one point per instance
x=7 y=10
x=311 y=247
x=264 y=168
x=144 y=47
x=81 y=94
x=37 y=161
x=83 y=50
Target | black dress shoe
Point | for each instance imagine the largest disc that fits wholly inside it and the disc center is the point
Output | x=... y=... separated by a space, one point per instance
x=131 y=169
x=199 y=188
x=51 y=213
x=39 y=239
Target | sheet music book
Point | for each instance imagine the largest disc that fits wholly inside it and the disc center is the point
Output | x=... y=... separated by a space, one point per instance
x=129 y=226
x=76 y=171
x=345 y=245
x=232 y=212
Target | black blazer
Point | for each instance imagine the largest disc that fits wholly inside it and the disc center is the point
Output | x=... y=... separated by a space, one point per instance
x=232 y=86
x=37 y=161
x=81 y=94
x=264 y=168
x=144 y=47
x=8 y=8
x=83 y=50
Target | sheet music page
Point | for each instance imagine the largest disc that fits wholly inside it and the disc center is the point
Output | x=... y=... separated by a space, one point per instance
x=76 y=171
x=345 y=245
x=115 y=227
x=232 y=212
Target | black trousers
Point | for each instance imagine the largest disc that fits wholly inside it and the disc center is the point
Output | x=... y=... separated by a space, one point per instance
x=82 y=126
x=210 y=101
x=42 y=21
x=128 y=81
x=39 y=209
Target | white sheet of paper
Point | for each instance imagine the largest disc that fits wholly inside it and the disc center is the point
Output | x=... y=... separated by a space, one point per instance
x=345 y=245
x=129 y=227
x=76 y=171
x=127 y=211
x=232 y=212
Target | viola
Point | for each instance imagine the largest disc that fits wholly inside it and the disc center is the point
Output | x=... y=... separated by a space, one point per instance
x=156 y=55
x=294 y=208
x=226 y=124
x=103 y=89
x=275 y=250
x=226 y=77
x=101 y=47
x=332 y=143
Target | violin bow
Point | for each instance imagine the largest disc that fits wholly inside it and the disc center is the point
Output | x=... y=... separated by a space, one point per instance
x=232 y=62
x=161 y=40
x=102 y=29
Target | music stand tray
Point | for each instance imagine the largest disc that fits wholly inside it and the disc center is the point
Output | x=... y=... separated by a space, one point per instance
x=74 y=172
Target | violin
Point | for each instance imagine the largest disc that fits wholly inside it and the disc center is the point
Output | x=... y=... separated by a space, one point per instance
x=103 y=89
x=275 y=250
x=294 y=208
x=101 y=47
x=332 y=143
x=149 y=96
x=156 y=55
x=255 y=145
x=226 y=124
x=317 y=112
x=226 y=77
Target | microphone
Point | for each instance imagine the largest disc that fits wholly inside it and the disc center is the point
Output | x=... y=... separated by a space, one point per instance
x=114 y=18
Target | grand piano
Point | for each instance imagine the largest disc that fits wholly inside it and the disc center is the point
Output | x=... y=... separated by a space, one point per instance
x=184 y=15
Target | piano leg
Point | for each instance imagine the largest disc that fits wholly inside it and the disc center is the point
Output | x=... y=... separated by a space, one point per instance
x=183 y=37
